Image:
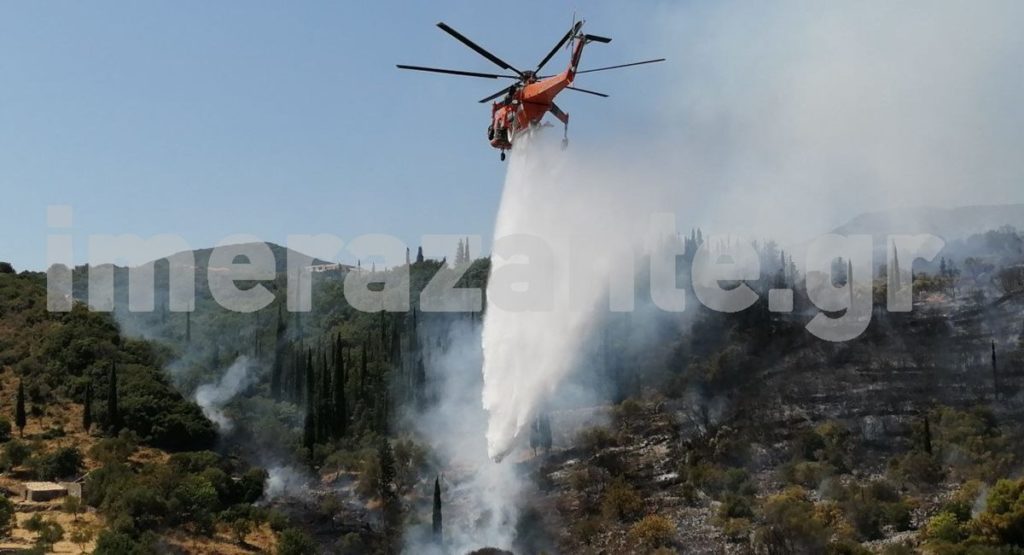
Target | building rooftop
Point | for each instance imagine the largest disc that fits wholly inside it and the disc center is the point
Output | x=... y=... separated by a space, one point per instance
x=44 y=486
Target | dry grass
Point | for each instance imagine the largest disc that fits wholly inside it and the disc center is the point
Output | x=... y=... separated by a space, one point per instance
x=260 y=540
x=22 y=538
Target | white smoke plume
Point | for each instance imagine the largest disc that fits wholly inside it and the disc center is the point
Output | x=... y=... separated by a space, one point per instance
x=212 y=397
x=481 y=499
x=285 y=481
x=786 y=119
x=775 y=121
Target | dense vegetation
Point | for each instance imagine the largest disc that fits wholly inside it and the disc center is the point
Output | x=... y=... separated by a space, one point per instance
x=59 y=356
x=328 y=391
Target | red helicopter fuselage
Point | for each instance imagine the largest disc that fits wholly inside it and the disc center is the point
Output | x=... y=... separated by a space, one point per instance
x=526 y=105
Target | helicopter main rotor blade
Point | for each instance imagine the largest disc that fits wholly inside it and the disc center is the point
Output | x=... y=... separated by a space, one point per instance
x=621 y=65
x=497 y=94
x=477 y=48
x=575 y=29
x=456 y=72
x=602 y=95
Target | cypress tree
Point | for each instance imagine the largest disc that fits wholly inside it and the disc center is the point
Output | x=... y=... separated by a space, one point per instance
x=310 y=378
x=113 y=411
x=324 y=414
x=309 y=424
x=389 y=497
x=545 y=432
x=396 y=358
x=275 y=376
x=383 y=407
x=386 y=471
x=419 y=255
x=298 y=375
x=535 y=435
x=437 y=509
x=420 y=382
x=20 y=418
x=87 y=408
x=995 y=371
x=340 y=405
x=308 y=431
x=278 y=367
x=362 y=374
x=927 y=435
x=188 y=326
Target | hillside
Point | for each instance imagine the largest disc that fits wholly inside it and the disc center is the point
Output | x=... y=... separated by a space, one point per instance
x=135 y=466
x=699 y=432
x=767 y=441
x=947 y=223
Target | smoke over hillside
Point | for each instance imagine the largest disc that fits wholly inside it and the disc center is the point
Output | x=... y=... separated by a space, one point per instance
x=786 y=119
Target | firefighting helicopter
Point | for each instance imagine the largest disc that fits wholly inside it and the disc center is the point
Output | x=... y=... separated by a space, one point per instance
x=524 y=103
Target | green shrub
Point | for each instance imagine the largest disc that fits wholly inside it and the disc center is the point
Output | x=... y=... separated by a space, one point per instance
x=583 y=477
x=916 y=468
x=846 y=547
x=194 y=501
x=586 y=529
x=1002 y=521
x=113 y=450
x=111 y=542
x=17 y=452
x=628 y=410
x=72 y=505
x=652 y=532
x=791 y=525
x=592 y=440
x=972 y=443
x=873 y=506
x=621 y=502
x=65 y=462
x=808 y=474
x=736 y=529
x=704 y=476
x=7 y=520
x=5 y=429
x=827 y=443
x=251 y=486
x=735 y=506
x=943 y=527
x=294 y=541
x=48 y=533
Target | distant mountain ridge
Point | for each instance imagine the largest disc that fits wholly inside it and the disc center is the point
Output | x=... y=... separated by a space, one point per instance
x=202 y=256
x=948 y=223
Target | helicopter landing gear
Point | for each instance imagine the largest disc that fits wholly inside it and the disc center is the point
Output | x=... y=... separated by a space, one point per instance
x=503 y=156
x=565 y=144
x=565 y=137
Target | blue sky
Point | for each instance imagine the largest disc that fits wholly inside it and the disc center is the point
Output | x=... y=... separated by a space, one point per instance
x=207 y=119
x=778 y=120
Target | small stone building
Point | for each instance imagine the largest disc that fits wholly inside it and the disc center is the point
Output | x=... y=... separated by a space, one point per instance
x=44 y=491
x=74 y=489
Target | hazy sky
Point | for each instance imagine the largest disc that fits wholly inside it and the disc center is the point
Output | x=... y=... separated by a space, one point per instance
x=207 y=119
